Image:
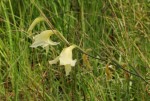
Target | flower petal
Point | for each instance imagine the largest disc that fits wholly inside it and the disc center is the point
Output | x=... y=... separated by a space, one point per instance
x=66 y=56
x=54 y=61
x=52 y=42
x=73 y=62
x=67 y=69
x=43 y=39
x=44 y=35
x=38 y=43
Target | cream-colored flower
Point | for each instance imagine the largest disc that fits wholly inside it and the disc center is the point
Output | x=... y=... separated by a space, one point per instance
x=65 y=59
x=43 y=39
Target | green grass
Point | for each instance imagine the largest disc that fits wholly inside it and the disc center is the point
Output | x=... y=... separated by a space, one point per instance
x=116 y=31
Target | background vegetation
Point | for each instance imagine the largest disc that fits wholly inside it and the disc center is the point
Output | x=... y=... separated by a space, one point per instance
x=116 y=32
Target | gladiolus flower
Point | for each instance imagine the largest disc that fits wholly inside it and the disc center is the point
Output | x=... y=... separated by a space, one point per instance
x=65 y=59
x=43 y=39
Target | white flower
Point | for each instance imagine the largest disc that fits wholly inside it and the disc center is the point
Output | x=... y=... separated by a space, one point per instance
x=43 y=39
x=65 y=59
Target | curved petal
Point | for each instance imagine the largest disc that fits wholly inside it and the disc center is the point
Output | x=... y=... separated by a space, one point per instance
x=39 y=43
x=67 y=69
x=54 y=61
x=52 y=42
